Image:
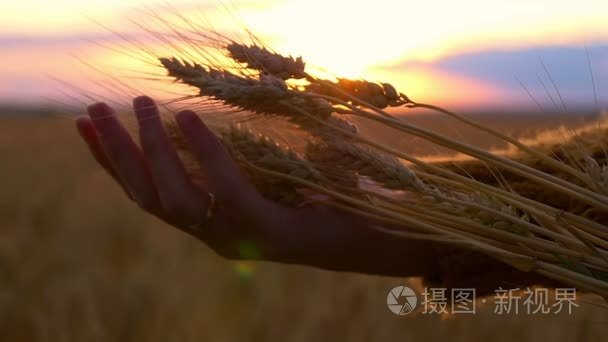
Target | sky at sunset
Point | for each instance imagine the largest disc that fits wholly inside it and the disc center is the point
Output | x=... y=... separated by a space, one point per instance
x=472 y=54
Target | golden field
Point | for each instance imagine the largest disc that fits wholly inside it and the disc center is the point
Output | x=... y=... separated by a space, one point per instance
x=79 y=262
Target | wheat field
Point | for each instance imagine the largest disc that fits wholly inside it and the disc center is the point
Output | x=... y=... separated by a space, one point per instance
x=79 y=262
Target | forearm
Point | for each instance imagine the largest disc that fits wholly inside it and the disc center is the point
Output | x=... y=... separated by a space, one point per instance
x=462 y=268
x=340 y=241
x=337 y=240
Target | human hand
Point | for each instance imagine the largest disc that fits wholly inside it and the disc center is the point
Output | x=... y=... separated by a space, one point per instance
x=227 y=212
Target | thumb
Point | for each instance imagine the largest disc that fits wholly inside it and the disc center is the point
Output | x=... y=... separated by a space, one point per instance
x=224 y=177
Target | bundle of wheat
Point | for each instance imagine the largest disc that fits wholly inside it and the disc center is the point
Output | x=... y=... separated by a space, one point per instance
x=543 y=210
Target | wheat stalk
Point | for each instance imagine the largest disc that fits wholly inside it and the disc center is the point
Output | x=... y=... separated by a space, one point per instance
x=265 y=95
x=382 y=168
x=517 y=227
x=266 y=61
x=269 y=95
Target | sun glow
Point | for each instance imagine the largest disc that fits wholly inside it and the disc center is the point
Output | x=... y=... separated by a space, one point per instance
x=371 y=40
x=350 y=38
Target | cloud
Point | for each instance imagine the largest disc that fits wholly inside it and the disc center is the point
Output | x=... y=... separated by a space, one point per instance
x=489 y=78
x=536 y=68
x=21 y=41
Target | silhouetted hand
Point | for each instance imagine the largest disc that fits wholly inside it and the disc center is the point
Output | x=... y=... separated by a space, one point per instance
x=227 y=213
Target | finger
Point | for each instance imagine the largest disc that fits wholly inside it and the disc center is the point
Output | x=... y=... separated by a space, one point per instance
x=260 y=220
x=224 y=177
x=179 y=198
x=125 y=157
x=89 y=135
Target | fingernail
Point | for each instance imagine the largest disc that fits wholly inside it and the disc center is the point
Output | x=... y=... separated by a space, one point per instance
x=143 y=102
x=84 y=128
x=186 y=118
x=82 y=123
x=145 y=108
x=99 y=110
